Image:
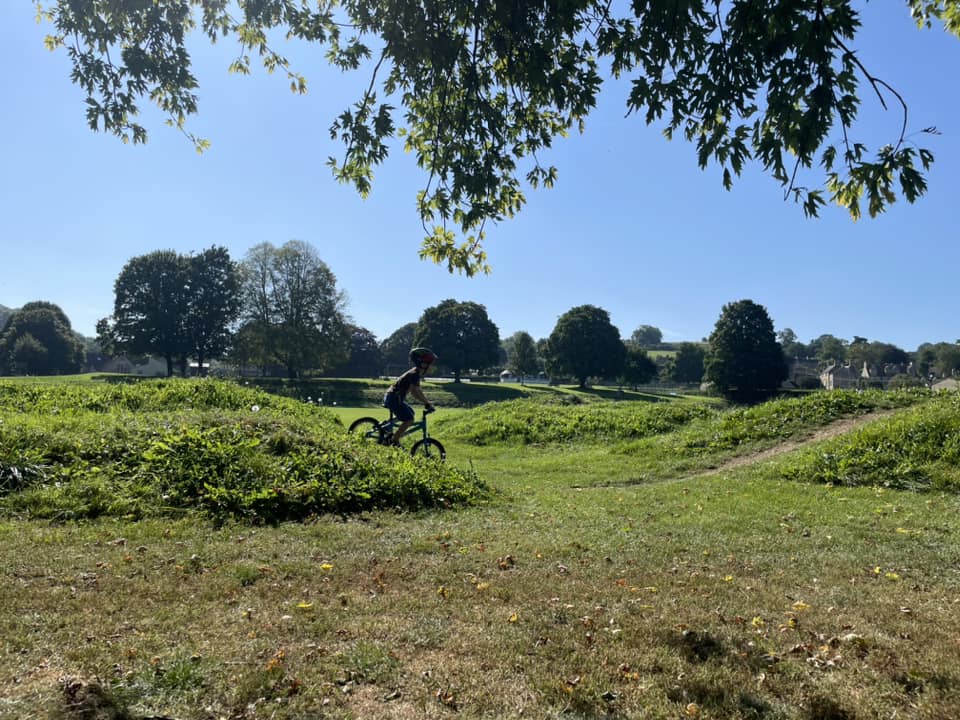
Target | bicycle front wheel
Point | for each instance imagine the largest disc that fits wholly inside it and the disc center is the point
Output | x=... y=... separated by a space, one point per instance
x=428 y=448
x=367 y=427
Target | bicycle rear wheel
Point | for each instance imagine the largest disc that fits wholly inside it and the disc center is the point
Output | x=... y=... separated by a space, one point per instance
x=367 y=427
x=428 y=448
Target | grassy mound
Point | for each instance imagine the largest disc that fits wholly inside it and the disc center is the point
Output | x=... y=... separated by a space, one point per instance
x=168 y=447
x=915 y=450
x=529 y=422
x=779 y=420
x=698 y=425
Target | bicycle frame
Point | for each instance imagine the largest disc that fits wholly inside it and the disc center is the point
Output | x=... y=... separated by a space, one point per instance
x=388 y=426
x=373 y=429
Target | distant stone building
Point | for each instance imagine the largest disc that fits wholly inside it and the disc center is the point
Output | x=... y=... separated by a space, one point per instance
x=842 y=377
x=946 y=385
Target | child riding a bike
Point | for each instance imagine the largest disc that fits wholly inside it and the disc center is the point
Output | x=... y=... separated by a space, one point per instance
x=395 y=398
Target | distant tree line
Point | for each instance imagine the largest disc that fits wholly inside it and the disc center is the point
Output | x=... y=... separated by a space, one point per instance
x=279 y=311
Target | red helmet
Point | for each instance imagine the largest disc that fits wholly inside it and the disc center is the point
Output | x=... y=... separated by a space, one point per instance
x=420 y=355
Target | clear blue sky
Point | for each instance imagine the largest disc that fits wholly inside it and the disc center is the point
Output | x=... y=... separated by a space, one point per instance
x=633 y=225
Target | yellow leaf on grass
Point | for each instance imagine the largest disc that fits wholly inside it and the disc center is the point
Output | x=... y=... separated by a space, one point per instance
x=800 y=605
x=326 y=567
x=892 y=576
x=305 y=606
x=513 y=618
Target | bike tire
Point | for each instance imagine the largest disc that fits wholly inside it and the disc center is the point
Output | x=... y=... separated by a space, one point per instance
x=429 y=448
x=367 y=427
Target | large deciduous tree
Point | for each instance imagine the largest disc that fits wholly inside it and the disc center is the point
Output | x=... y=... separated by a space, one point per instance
x=686 y=366
x=293 y=310
x=39 y=340
x=483 y=87
x=174 y=306
x=647 y=336
x=522 y=358
x=213 y=303
x=938 y=359
x=638 y=367
x=744 y=361
x=584 y=344
x=364 y=359
x=149 y=308
x=828 y=349
x=461 y=334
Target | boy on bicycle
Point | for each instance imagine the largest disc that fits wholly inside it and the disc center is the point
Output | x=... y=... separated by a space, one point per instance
x=395 y=399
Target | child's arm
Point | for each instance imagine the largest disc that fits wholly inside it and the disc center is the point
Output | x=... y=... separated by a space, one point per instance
x=418 y=394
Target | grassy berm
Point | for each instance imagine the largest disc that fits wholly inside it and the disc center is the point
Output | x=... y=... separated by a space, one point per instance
x=798 y=560
x=160 y=448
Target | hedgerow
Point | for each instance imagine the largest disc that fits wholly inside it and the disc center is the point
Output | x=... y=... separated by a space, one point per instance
x=918 y=450
x=175 y=446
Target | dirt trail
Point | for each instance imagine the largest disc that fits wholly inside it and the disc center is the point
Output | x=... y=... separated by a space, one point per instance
x=825 y=433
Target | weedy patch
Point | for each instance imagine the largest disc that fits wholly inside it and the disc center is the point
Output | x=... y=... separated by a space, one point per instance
x=155 y=449
x=915 y=450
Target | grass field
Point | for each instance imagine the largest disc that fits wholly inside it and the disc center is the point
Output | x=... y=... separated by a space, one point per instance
x=668 y=572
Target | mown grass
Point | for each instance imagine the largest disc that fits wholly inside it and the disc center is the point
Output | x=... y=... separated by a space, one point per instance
x=740 y=594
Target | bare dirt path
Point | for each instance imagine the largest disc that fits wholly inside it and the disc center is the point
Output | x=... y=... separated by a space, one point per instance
x=832 y=430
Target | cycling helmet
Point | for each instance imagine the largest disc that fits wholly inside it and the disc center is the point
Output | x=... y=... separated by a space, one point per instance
x=421 y=355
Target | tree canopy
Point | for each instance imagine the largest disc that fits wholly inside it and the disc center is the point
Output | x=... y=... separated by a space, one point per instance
x=150 y=304
x=584 y=343
x=37 y=339
x=294 y=312
x=477 y=90
x=174 y=306
x=686 y=366
x=744 y=360
x=638 y=367
x=461 y=334
x=522 y=358
x=395 y=349
x=647 y=336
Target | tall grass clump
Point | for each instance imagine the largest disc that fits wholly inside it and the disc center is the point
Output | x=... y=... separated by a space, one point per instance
x=915 y=450
x=530 y=422
x=175 y=446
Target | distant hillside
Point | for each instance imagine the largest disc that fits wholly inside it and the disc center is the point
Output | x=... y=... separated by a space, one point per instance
x=5 y=313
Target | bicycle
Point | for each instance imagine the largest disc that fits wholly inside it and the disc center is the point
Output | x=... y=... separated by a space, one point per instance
x=426 y=446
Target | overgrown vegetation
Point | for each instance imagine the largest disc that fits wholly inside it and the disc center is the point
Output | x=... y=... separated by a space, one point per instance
x=916 y=450
x=535 y=422
x=168 y=447
x=699 y=425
